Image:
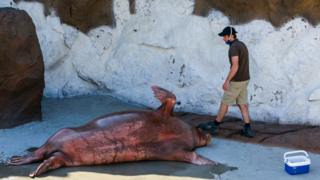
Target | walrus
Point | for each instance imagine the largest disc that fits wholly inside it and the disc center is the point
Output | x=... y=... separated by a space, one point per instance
x=122 y=137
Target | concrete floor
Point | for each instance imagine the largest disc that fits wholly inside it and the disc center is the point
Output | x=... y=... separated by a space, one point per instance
x=242 y=161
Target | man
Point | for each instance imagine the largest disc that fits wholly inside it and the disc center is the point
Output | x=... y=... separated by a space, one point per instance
x=236 y=83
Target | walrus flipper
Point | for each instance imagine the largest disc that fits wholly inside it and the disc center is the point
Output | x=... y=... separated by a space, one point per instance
x=167 y=98
x=55 y=161
x=35 y=156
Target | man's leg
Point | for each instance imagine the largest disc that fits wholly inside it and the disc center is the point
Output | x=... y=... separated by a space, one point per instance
x=229 y=97
x=245 y=112
x=246 y=131
x=222 y=112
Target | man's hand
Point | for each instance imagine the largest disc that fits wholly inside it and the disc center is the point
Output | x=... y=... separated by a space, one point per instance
x=226 y=85
x=232 y=72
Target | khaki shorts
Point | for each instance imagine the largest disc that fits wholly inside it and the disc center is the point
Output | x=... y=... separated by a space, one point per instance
x=236 y=94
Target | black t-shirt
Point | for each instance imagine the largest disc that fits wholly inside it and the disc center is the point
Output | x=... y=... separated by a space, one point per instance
x=239 y=49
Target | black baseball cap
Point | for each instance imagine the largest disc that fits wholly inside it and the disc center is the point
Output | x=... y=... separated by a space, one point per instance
x=227 y=31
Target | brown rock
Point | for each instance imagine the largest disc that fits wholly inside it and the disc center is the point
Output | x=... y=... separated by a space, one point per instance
x=132 y=4
x=88 y=14
x=82 y=14
x=275 y=11
x=21 y=69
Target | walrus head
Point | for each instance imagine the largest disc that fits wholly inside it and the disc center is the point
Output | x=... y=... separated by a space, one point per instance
x=203 y=138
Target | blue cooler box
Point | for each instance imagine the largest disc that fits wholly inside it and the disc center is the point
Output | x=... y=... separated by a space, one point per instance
x=296 y=162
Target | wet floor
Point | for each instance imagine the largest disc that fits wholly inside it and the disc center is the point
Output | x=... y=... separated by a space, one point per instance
x=242 y=161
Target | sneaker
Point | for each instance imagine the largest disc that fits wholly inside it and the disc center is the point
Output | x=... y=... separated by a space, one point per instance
x=211 y=127
x=246 y=131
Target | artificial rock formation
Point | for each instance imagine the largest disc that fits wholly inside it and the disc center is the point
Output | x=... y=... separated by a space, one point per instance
x=84 y=14
x=275 y=11
x=239 y=11
x=87 y=14
x=21 y=69
x=165 y=43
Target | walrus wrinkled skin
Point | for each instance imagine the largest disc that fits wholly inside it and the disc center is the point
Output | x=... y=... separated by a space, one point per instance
x=122 y=137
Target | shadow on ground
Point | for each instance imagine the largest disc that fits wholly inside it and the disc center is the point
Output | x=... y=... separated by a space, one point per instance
x=162 y=168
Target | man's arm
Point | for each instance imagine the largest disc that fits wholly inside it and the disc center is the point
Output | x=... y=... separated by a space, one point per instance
x=232 y=72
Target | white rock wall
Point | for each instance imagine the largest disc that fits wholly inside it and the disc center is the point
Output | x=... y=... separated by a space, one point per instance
x=164 y=44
